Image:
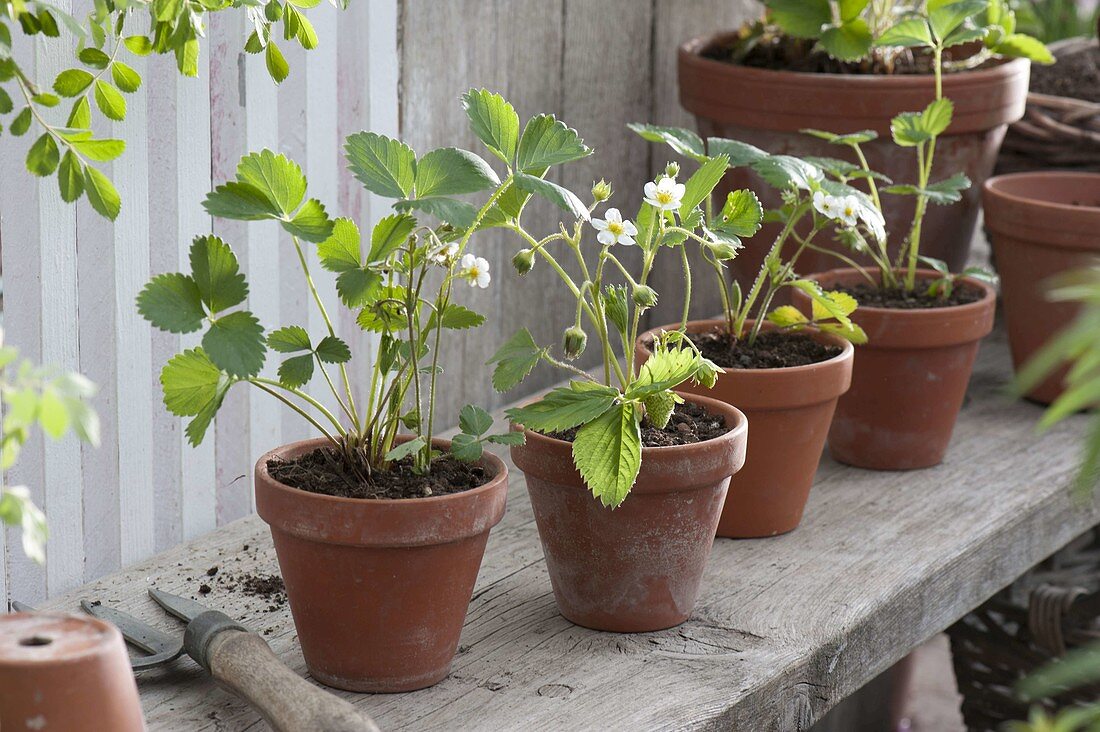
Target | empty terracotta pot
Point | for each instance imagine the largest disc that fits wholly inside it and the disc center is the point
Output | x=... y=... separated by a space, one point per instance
x=908 y=381
x=789 y=410
x=1041 y=224
x=637 y=567
x=62 y=672
x=379 y=588
x=768 y=109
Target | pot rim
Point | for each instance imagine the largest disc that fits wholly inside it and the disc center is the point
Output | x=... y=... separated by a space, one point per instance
x=711 y=404
x=108 y=636
x=992 y=188
x=847 y=351
x=499 y=467
x=695 y=47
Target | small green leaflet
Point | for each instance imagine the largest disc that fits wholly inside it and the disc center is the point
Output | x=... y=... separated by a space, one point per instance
x=563 y=408
x=801 y=18
x=172 y=303
x=389 y=234
x=72 y=82
x=548 y=141
x=311 y=222
x=333 y=350
x=70 y=177
x=850 y=41
x=278 y=177
x=457 y=317
x=608 y=453
x=666 y=369
x=683 y=142
x=741 y=214
x=383 y=165
x=515 y=359
x=457 y=213
x=101 y=193
x=43 y=156
x=698 y=187
x=907 y=33
x=290 y=339
x=405 y=449
x=109 y=100
x=494 y=121
x=277 y=66
x=235 y=343
x=340 y=251
x=194 y=387
x=563 y=198
x=216 y=273
x=449 y=171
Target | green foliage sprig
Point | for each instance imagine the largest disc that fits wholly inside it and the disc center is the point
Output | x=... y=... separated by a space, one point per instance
x=815 y=190
x=43 y=398
x=101 y=79
x=878 y=30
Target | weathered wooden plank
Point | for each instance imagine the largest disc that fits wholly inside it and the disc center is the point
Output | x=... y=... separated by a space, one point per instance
x=784 y=627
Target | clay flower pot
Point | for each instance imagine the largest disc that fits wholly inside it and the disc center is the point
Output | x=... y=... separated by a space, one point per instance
x=62 y=672
x=637 y=567
x=789 y=410
x=768 y=108
x=908 y=381
x=379 y=588
x=1041 y=224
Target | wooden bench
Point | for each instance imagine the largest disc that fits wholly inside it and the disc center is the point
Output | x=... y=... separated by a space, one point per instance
x=784 y=628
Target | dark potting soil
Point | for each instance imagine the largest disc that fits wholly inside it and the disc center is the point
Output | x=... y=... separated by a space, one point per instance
x=268 y=587
x=1075 y=75
x=690 y=423
x=782 y=53
x=772 y=350
x=919 y=299
x=320 y=471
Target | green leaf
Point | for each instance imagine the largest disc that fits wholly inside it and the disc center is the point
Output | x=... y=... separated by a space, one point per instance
x=340 y=251
x=683 y=142
x=6 y=104
x=563 y=198
x=800 y=18
x=194 y=386
x=850 y=9
x=101 y=151
x=449 y=171
x=187 y=58
x=1018 y=45
x=406 y=449
x=964 y=34
x=564 y=408
x=388 y=235
x=235 y=343
x=276 y=176
x=297 y=371
x=70 y=177
x=908 y=33
x=94 y=57
x=786 y=171
x=125 y=78
x=698 y=187
x=311 y=223
x=172 y=302
x=608 y=453
x=276 y=63
x=457 y=213
x=457 y=317
x=101 y=193
x=786 y=316
x=741 y=215
x=356 y=287
x=217 y=274
x=109 y=100
x=906 y=129
x=852 y=138
x=139 y=45
x=936 y=117
x=71 y=82
x=494 y=121
x=507 y=438
x=383 y=165
x=46 y=99
x=515 y=359
x=290 y=339
x=466 y=447
x=43 y=156
x=665 y=369
x=333 y=350
x=473 y=420
x=547 y=141
x=240 y=201
x=81 y=115
x=943 y=193
x=21 y=123
x=946 y=17
x=848 y=42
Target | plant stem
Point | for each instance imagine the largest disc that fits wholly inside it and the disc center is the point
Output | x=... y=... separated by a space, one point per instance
x=259 y=384
x=925 y=175
x=687 y=287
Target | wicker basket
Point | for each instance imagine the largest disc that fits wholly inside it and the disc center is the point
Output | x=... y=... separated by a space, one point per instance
x=1056 y=132
x=1052 y=608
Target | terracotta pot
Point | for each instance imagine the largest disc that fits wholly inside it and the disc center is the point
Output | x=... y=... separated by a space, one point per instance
x=768 y=109
x=62 y=672
x=379 y=588
x=635 y=568
x=908 y=381
x=1041 y=224
x=790 y=410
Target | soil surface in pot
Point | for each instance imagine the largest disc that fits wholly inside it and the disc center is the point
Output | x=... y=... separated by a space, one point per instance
x=320 y=471
x=778 y=52
x=871 y=296
x=1075 y=75
x=772 y=350
x=690 y=423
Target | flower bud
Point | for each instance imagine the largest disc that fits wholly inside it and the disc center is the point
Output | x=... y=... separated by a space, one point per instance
x=672 y=169
x=601 y=191
x=524 y=260
x=723 y=250
x=644 y=296
x=573 y=342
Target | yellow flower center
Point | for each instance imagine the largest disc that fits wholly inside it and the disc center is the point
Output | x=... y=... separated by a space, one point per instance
x=664 y=197
x=849 y=211
x=615 y=227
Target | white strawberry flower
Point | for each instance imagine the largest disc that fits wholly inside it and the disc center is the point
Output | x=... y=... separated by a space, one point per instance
x=474 y=270
x=848 y=212
x=614 y=230
x=826 y=205
x=664 y=194
x=445 y=255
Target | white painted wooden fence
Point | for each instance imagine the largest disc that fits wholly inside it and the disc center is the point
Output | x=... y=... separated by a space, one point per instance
x=70 y=281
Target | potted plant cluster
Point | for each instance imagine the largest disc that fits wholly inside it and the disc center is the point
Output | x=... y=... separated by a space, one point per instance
x=785 y=370
x=379 y=535
x=855 y=65
x=627 y=477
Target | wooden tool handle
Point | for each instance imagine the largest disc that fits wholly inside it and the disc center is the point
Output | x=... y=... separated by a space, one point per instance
x=244 y=662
